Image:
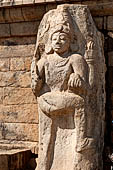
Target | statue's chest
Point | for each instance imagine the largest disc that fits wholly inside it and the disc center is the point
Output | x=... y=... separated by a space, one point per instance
x=57 y=73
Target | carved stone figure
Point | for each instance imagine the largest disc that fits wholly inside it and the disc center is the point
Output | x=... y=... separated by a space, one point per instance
x=68 y=81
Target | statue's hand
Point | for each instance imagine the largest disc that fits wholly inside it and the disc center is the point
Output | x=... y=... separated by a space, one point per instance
x=75 y=80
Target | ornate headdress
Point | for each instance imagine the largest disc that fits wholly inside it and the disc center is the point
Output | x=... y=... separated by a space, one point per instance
x=54 y=21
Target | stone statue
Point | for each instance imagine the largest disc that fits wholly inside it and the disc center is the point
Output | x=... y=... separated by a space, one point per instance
x=63 y=73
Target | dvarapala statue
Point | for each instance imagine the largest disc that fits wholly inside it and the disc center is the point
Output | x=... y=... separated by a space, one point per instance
x=63 y=80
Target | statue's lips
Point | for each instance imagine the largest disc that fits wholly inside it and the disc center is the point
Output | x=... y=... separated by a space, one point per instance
x=57 y=46
x=57 y=101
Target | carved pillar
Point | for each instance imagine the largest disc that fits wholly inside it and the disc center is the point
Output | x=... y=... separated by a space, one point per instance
x=68 y=77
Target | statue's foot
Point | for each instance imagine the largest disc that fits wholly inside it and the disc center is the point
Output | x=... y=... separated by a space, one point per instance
x=84 y=144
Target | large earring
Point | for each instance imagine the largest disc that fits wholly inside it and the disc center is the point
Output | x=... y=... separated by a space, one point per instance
x=48 y=48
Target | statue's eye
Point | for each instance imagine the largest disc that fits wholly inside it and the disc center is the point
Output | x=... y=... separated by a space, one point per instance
x=54 y=38
x=63 y=37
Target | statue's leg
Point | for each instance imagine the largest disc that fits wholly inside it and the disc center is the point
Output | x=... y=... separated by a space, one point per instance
x=83 y=141
x=85 y=145
x=45 y=124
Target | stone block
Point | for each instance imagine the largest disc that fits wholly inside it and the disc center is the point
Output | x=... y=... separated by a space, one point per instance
x=17 y=63
x=15 y=79
x=28 y=2
x=20 y=64
x=86 y=2
x=98 y=22
x=16 y=14
x=110 y=23
x=33 y=13
x=6 y=15
x=6 y=78
x=24 y=28
x=1 y=95
x=13 y=42
x=4 y=64
x=22 y=79
x=39 y=1
x=26 y=113
x=28 y=63
x=50 y=6
x=7 y=3
x=2 y=20
x=4 y=30
x=19 y=131
x=14 y=159
x=15 y=146
x=18 y=96
x=17 y=2
x=49 y=1
x=99 y=8
x=3 y=162
x=16 y=50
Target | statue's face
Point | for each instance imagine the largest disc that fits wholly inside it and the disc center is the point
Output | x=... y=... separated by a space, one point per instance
x=60 y=42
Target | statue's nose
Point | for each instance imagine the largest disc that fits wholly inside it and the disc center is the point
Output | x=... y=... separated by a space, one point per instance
x=58 y=40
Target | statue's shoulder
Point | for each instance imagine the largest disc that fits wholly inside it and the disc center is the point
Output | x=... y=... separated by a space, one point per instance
x=76 y=57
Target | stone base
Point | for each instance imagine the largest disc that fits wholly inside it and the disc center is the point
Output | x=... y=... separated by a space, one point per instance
x=16 y=159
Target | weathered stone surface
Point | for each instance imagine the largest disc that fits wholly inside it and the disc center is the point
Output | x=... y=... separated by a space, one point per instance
x=26 y=113
x=1 y=16
x=33 y=13
x=14 y=159
x=3 y=162
x=39 y=1
x=100 y=8
x=18 y=131
x=1 y=95
x=110 y=23
x=12 y=42
x=8 y=145
x=6 y=3
x=6 y=14
x=20 y=14
x=17 y=64
x=20 y=64
x=16 y=15
x=50 y=6
x=24 y=28
x=17 y=2
x=28 y=2
x=16 y=51
x=18 y=96
x=4 y=30
x=97 y=8
x=68 y=79
x=4 y=64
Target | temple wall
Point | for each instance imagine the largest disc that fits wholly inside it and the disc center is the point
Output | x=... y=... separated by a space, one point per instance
x=19 y=21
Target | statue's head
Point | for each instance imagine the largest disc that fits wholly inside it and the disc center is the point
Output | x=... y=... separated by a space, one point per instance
x=61 y=34
x=60 y=39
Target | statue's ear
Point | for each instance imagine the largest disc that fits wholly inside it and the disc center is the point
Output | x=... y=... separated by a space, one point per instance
x=48 y=48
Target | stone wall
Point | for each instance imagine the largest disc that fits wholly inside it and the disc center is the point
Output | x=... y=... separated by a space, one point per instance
x=19 y=22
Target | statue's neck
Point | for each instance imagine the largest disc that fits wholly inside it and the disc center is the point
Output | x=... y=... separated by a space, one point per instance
x=64 y=55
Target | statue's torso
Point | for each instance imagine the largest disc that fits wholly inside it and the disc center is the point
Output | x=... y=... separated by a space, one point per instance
x=57 y=72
